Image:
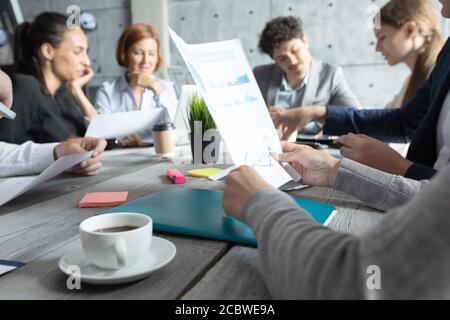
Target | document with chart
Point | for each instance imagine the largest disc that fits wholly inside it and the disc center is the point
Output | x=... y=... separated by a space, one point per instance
x=224 y=77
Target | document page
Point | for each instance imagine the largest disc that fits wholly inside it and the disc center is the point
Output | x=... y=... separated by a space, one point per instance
x=122 y=124
x=226 y=81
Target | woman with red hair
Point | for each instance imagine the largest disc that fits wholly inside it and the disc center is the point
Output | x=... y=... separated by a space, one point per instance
x=138 y=51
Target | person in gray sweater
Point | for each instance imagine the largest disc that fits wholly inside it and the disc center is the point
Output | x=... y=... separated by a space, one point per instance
x=301 y=259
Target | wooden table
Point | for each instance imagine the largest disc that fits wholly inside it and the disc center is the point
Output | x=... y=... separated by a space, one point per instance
x=37 y=227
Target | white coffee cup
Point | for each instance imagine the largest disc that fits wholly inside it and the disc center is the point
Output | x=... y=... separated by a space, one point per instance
x=109 y=241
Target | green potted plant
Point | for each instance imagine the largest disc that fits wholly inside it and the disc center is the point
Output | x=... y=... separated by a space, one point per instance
x=200 y=122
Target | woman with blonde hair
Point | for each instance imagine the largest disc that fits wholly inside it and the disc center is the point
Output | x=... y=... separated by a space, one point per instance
x=409 y=33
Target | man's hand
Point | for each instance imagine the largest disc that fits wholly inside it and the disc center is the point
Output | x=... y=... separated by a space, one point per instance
x=90 y=167
x=286 y=120
x=317 y=168
x=291 y=120
x=373 y=153
x=242 y=184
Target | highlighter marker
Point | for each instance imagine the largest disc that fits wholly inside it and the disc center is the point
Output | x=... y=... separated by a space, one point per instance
x=176 y=176
x=5 y=111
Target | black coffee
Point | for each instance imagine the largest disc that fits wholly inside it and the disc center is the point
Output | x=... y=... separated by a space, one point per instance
x=117 y=229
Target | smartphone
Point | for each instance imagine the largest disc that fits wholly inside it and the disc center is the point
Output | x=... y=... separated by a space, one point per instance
x=8 y=113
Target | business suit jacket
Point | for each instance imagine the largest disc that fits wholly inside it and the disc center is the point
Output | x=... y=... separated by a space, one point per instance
x=415 y=121
x=326 y=85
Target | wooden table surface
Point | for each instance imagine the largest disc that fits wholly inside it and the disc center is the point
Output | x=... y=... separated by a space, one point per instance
x=37 y=227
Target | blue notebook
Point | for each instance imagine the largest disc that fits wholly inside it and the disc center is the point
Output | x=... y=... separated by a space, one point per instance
x=199 y=213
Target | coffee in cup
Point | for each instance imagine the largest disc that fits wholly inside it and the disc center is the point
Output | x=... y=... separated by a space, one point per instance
x=117 y=240
x=116 y=229
x=164 y=138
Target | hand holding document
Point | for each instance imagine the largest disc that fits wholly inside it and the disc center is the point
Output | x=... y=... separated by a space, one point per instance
x=13 y=187
x=226 y=81
x=122 y=124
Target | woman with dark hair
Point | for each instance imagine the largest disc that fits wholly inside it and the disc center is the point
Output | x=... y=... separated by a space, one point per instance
x=138 y=51
x=52 y=66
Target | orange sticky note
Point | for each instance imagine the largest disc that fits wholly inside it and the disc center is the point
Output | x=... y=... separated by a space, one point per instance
x=103 y=199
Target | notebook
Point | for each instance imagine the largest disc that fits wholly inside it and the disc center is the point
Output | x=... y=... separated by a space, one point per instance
x=199 y=213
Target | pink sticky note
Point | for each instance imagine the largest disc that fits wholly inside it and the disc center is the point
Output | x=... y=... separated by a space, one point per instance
x=103 y=199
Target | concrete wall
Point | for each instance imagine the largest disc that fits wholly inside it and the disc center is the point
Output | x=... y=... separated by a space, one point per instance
x=337 y=29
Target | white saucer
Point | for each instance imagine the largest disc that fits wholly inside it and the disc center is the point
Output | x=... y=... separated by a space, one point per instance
x=161 y=252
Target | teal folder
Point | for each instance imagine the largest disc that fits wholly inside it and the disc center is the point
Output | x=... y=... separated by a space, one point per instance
x=199 y=213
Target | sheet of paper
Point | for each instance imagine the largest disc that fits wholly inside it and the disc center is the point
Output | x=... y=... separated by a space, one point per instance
x=13 y=187
x=8 y=266
x=122 y=124
x=222 y=176
x=226 y=81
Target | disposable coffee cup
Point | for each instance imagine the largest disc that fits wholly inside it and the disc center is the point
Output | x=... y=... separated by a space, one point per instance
x=164 y=138
x=118 y=240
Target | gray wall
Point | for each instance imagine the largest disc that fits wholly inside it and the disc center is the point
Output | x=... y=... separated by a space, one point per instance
x=337 y=29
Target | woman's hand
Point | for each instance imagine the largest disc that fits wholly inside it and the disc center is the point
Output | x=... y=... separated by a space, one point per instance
x=78 y=84
x=373 y=153
x=317 y=168
x=241 y=185
x=90 y=167
x=131 y=141
x=145 y=81
x=75 y=89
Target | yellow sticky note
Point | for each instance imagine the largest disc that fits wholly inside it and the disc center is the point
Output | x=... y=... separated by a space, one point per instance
x=203 y=173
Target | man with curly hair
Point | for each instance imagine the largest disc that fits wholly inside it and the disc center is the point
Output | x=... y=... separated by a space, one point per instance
x=296 y=79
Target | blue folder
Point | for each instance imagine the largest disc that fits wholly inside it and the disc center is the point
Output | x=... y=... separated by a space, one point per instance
x=199 y=213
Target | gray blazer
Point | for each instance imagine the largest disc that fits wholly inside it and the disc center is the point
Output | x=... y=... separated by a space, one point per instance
x=326 y=85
